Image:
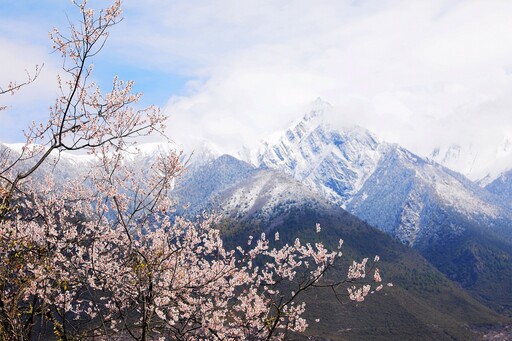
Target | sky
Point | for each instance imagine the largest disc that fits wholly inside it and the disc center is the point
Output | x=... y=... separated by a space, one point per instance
x=424 y=74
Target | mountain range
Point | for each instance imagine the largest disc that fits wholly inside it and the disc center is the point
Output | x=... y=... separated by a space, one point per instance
x=384 y=184
x=446 y=240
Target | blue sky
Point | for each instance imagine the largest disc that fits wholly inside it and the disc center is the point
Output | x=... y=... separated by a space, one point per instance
x=425 y=74
x=25 y=24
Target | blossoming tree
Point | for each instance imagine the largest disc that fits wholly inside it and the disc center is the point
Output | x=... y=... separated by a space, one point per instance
x=103 y=256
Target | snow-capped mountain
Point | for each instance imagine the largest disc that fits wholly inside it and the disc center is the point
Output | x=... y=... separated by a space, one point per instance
x=268 y=193
x=336 y=162
x=408 y=197
x=384 y=184
x=204 y=180
x=70 y=165
x=479 y=164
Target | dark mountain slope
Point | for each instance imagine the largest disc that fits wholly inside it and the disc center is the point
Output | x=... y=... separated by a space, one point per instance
x=422 y=305
x=477 y=258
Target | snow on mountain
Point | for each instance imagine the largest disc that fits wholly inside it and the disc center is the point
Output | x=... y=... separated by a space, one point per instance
x=382 y=183
x=136 y=153
x=336 y=162
x=502 y=187
x=237 y=189
x=478 y=164
x=150 y=149
x=203 y=181
x=66 y=165
x=70 y=164
x=406 y=195
x=265 y=193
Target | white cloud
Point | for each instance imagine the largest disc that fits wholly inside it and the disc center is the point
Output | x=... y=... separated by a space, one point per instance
x=31 y=102
x=423 y=69
x=420 y=73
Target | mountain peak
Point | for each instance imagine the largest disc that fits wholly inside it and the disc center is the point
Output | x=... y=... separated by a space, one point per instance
x=317 y=109
x=315 y=147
